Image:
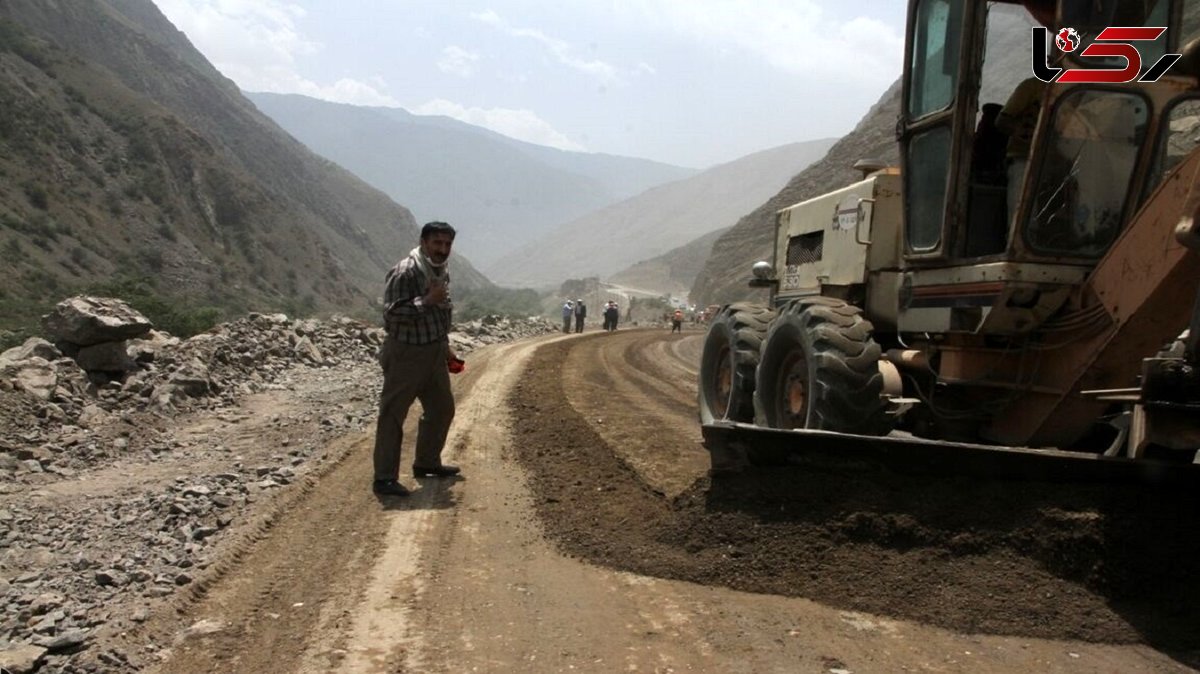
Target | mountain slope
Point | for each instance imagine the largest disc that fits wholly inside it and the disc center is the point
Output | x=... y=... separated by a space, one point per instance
x=658 y=220
x=500 y=192
x=673 y=272
x=126 y=154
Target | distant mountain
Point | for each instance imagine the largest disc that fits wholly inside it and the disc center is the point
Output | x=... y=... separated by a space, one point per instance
x=671 y=273
x=499 y=192
x=126 y=154
x=658 y=220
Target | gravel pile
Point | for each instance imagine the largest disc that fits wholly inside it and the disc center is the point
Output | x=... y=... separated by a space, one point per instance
x=69 y=566
x=53 y=427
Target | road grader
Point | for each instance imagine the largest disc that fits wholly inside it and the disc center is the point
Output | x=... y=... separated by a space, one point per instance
x=953 y=312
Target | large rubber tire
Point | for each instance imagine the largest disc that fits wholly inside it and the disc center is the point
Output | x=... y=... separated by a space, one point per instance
x=819 y=369
x=729 y=361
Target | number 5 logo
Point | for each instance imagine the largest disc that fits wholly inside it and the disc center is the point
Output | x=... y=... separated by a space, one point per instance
x=1114 y=41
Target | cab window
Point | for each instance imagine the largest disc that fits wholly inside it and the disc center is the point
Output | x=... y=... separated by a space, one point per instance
x=1084 y=177
x=935 y=55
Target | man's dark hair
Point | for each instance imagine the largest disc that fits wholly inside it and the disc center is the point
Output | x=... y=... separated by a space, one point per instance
x=436 y=227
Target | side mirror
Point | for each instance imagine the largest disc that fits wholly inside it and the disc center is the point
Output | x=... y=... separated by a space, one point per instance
x=763 y=275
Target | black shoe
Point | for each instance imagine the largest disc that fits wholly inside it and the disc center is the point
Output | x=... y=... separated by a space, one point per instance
x=389 y=488
x=444 y=470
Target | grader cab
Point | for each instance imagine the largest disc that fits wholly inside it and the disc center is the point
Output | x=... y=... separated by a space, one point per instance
x=1023 y=285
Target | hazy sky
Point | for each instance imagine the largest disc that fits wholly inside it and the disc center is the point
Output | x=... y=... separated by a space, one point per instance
x=689 y=82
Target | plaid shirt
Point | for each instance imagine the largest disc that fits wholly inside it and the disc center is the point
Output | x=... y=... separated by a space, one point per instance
x=405 y=316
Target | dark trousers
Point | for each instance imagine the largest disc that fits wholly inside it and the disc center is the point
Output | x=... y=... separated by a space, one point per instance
x=412 y=372
x=579 y=324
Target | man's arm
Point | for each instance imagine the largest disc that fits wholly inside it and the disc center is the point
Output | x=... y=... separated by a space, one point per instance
x=404 y=298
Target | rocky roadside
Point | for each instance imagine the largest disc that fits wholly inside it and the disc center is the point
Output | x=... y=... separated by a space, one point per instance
x=119 y=488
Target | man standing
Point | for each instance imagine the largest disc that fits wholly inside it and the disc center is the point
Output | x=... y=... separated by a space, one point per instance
x=580 y=314
x=568 y=310
x=414 y=359
x=677 y=321
x=611 y=314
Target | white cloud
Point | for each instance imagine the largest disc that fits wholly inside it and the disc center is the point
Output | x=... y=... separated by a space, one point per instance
x=793 y=35
x=520 y=124
x=458 y=61
x=562 y=50
x=256 y=44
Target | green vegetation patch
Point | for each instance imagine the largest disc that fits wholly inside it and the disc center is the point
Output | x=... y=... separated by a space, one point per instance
x=15 y=40
x=472 y=304
x=179 y=317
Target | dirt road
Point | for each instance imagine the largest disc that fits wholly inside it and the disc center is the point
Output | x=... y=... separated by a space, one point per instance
x=585 y=536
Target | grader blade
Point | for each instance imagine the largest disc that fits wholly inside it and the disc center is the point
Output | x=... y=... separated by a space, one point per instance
x=733 y=446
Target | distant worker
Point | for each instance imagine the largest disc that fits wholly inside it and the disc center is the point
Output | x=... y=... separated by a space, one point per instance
x=677 y=321
x=611 y=314
x=568 y=311
x=415 y=358
x=580 y=314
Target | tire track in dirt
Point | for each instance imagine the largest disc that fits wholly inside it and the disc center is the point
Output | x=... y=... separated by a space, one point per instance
x=492 y=595
x=380 y=635
x=653 y=368
x=607 y=377
x=677 y=358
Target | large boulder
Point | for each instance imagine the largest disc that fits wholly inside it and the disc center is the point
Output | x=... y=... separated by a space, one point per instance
x=106 y=357
x=306 y=350
x=145 y=350
x=22 y=659
x=192 y=380
x=34 y=346
x=34 y=375
x=84 y=321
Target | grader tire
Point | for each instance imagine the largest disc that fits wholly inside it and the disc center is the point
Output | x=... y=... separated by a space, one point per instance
x=729 y=361
x=819 y=370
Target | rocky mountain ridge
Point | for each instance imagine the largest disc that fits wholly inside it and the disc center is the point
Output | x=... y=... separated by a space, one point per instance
x=127 y=156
